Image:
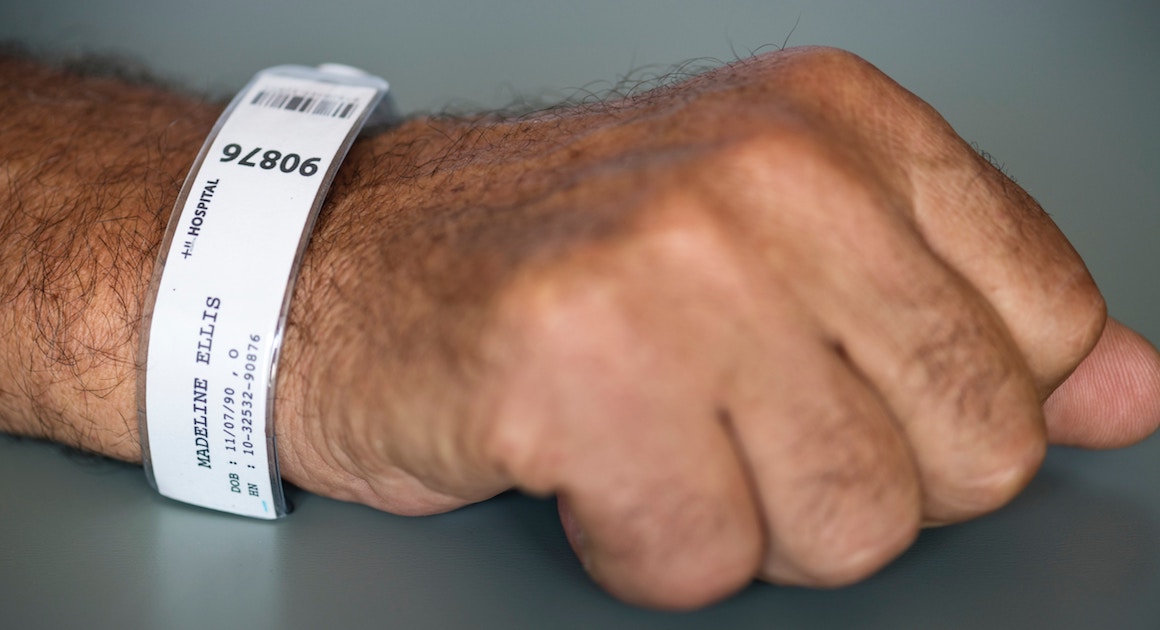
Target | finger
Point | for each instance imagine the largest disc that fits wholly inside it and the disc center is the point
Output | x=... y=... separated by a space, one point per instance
x=837 y=486
x=1113 y=397
x=618 y=420
x=939 y=356
x=994 y=234
x=664 y=507
x=972 y=216
x=961 y=392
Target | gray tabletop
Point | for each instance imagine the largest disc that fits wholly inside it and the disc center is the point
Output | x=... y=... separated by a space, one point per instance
x=1065 y=94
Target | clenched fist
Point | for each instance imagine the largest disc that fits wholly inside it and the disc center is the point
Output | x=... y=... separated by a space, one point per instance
x=767 y=323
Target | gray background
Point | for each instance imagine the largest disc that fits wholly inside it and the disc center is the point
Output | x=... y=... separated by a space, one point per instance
x=1065 y=94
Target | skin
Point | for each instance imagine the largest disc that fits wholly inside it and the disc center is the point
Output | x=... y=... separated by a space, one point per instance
x=766 y=323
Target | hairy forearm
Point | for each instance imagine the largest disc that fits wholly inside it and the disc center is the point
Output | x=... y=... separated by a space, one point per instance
x=89 y=169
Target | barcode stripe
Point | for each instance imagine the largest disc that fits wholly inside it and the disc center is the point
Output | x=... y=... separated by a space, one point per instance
x=331 y=105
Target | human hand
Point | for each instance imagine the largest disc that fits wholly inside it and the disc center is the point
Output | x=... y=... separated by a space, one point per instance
x=767 y=322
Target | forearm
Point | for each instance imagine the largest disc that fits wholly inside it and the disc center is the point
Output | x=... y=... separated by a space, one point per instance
x=89 y=170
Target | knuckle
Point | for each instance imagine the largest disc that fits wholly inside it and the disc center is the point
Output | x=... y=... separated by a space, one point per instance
x=988 y=478
x=1081 y=316
x=684 y=242
x=788 y=151
x=553 y=338
x=817 y=61
x=848 y=551
x=676 y=548
x=1036 y=280
x=853 y=549
x=823 y=58
x=808 y=71
x=511 y=443
x=842 y=564
x=962 y=361
x=847 y=525
x=985 y=436
x=790 y=183
x=690 y=588
x=828 y=80
x=604 y=294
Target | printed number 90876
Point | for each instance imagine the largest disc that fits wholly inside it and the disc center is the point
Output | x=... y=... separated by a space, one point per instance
x=271 y=159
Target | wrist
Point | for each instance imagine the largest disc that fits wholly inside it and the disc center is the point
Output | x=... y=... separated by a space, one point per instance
x=383 y=187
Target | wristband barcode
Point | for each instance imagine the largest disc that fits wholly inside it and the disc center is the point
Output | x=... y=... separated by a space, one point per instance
x=317 y=104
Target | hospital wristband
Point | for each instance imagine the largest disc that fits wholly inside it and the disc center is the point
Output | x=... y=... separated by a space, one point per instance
x=221 y=289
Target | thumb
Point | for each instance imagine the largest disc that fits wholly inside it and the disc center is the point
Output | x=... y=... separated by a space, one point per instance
x=1113 y=397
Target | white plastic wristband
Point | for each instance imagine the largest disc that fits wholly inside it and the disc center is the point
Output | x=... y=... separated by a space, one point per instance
x=223 y=281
